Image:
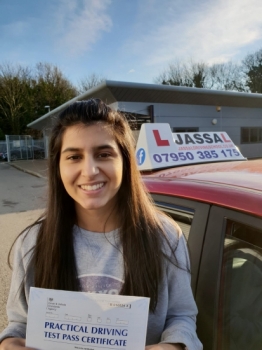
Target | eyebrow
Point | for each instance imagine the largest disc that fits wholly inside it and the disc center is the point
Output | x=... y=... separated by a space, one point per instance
x=98 y=148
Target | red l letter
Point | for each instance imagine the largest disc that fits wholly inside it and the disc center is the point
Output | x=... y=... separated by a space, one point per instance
x=224 y=139
x=158 y=139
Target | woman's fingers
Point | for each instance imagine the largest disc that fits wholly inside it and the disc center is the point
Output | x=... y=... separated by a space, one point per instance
x=14 y=344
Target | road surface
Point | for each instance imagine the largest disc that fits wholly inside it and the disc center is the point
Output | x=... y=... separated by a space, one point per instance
x=22 y=199
x=20 y=191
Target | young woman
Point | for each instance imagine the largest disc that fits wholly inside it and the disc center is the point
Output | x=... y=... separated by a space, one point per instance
x=102 y=233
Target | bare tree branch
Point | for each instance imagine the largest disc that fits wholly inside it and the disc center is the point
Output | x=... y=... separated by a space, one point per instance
x=89 y=82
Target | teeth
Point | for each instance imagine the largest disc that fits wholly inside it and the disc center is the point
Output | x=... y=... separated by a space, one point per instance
x=92 y=188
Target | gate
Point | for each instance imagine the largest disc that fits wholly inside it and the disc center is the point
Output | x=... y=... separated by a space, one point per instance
x=20 y=147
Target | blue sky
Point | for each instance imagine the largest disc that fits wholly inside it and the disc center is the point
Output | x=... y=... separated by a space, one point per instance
x=127 y=40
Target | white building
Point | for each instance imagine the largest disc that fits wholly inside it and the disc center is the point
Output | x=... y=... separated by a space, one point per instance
x=185 y=109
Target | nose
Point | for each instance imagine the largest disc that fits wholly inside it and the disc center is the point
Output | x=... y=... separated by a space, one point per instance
x=90 y=167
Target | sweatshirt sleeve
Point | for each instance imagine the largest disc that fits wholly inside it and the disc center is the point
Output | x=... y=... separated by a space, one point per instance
x=17 y=303
x=180 y=325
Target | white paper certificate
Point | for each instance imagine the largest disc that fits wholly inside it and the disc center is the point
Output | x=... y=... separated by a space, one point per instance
x=61 y=320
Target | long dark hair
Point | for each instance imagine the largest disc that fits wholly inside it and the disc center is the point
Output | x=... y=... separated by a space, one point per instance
x=141 y=232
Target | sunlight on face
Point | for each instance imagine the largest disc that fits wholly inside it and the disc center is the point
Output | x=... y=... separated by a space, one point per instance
x=91 y=167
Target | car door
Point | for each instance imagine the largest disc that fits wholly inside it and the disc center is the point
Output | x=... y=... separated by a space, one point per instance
x=225 y=248
x=229 y=286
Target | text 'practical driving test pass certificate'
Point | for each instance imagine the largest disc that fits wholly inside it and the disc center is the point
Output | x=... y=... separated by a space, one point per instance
x=61 y=320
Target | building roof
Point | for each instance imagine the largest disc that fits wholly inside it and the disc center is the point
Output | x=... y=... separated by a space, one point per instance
x=116 y=91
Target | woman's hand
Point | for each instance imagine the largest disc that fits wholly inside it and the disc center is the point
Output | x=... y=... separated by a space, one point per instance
x=164 y=347
x=14 y=344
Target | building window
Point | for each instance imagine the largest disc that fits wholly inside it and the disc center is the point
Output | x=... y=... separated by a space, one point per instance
x=251 y=135
x=192 y=129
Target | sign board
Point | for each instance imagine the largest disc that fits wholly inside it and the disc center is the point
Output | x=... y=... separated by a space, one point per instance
x=61 y=320
x=157 y=147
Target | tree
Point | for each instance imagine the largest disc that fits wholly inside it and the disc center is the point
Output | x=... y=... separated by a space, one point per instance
x=192 y=74
x=227 y=76
x=176 y=74
x=252 y=66
x=14 y=96
x=197 y=74
x=89 y=82
x=2 y=135
x=25 y=92
x=222 y=76
x=50 y=88
x=173 y=75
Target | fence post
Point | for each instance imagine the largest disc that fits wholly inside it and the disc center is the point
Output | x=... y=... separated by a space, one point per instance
x=46 y=143
x=7 y=147
x=21 y=155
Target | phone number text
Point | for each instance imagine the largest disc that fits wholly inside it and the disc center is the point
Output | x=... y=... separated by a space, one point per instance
x=183 y=156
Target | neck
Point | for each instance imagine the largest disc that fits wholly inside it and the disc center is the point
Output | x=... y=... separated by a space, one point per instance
x=97 y=220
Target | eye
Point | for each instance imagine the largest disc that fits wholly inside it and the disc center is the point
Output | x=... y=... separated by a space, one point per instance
x=73 y=157
x=104 y=155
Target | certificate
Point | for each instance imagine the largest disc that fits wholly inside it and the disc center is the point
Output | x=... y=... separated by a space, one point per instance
x=61 y=320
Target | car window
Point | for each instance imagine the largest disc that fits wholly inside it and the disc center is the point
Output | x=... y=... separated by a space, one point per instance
x=182 y=216
x=240 y=312
x=192 y=217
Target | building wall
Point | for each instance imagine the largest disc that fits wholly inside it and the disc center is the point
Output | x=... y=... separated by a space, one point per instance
x=229 y=119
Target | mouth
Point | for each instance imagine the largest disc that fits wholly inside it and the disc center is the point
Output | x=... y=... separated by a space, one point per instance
x=91 y=188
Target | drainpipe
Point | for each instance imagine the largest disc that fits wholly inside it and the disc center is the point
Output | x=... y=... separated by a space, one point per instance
x=151 y=113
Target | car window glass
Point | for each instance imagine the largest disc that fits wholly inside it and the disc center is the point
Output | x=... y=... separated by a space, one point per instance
x=182 y=216
x=240 y=312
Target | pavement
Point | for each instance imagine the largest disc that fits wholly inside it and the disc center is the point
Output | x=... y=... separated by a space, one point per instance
x=11 y=224
x=36 y=167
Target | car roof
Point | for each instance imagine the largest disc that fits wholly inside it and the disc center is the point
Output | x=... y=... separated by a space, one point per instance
x=234 y=184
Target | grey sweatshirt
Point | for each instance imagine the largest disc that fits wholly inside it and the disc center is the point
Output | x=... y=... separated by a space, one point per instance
x=100 y=269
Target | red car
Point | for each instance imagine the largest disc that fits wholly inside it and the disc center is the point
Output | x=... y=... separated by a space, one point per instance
x=219 y=208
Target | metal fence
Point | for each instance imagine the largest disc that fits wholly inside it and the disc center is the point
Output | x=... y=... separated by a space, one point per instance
x=18 y=147
x=2 y=146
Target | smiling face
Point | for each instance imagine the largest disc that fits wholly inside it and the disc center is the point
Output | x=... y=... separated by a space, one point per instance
x=91 y=167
